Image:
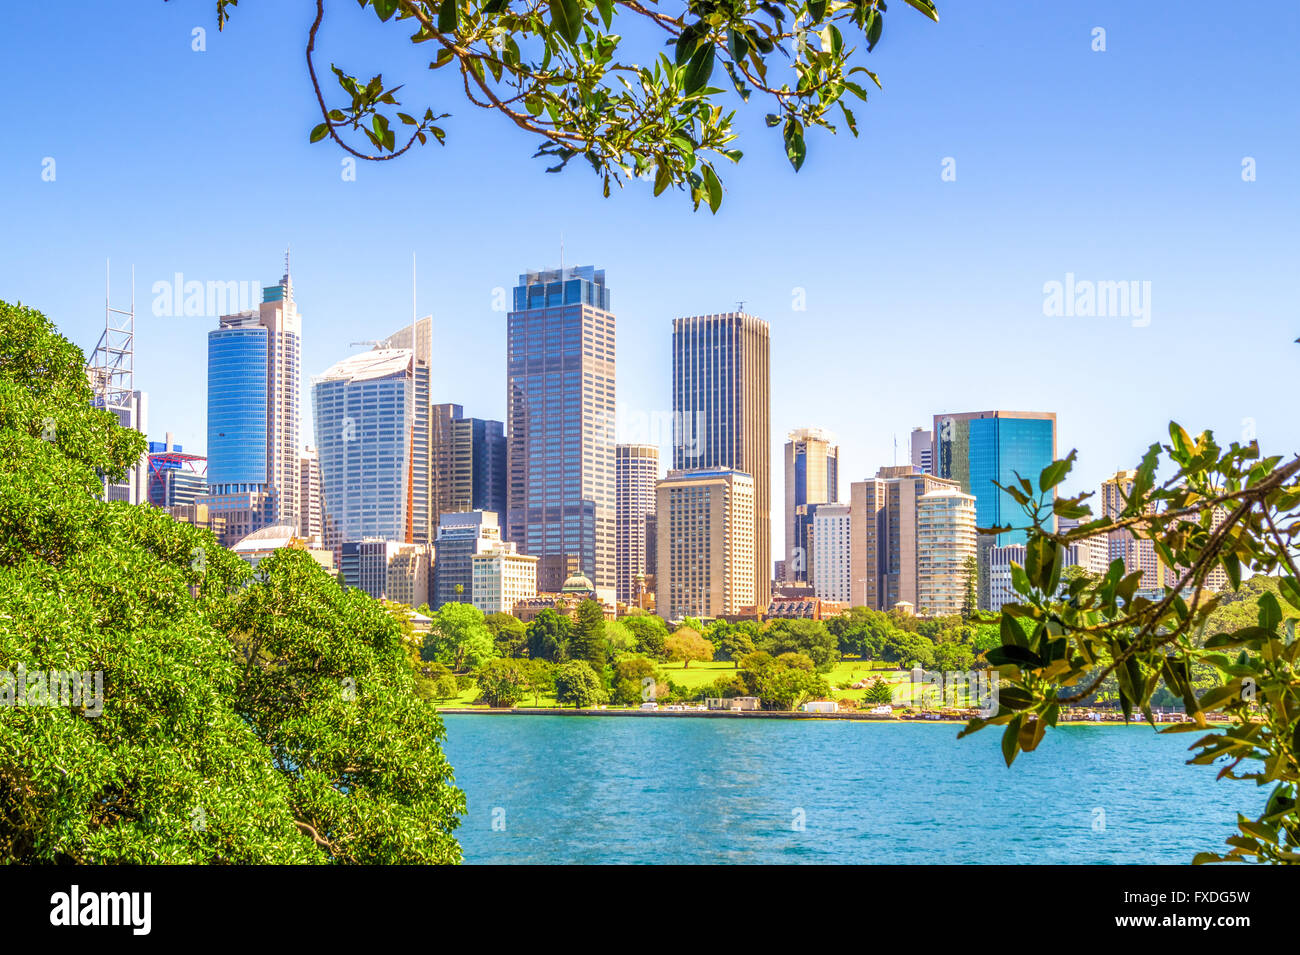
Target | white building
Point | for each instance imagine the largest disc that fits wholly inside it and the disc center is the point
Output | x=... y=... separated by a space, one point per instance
x=832 y=579
x=1092 y=554
x=945 y=543
x=502 y=578
x=388 y=570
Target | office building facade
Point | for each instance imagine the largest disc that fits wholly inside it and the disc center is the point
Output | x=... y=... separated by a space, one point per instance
x=461 y=535
x=722 y=414
x=832 y=552
x=560 y=401
x=468 y=464
x=811 y=478
x=706 y=549
x=502 y=577
x=636 y=473
x=368 y=417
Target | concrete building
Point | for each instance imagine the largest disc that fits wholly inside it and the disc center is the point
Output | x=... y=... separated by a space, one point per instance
x=811 y=478
x=922 y=450
x=722 y=414
x=636 y=473
x=388 y=570
x=311 y=510
x=502 y=577
x=832 y=552
x=1091 y=554
x=706 y=544
x=560 y=413
x=254 y=378
x=460 y=536
x=883 y=535
x=945 y=551
x=370 y=413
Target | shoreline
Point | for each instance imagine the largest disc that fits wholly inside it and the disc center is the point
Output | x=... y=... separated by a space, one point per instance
x=747 y=714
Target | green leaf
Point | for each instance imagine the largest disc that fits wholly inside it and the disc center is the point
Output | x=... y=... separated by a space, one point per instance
x=1014 y=656
x=1055 y=472
x=714 y=187
x=448 y=15
x=566 y=18
x=698 y=69
x=320 y=132
x=385 y=8
x=795 y=150
x=925 y=6
x=1290 y=590
x=1270 y=614
x=606 y=8
x=663 y=178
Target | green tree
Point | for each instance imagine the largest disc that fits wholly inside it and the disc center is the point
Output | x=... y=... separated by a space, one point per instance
x=801 y=636
x=731 y=641
x=587 y=637
x=576 y=682
x=548 y=636
x=970 y=587
x=539 y=678
x=631 y=674
x=1224 y=510
x=878 y=693
x=509 y=635
x=458 y=637
x=651 y=634
x=267 y=718
x=502 y=683
x=685 y=645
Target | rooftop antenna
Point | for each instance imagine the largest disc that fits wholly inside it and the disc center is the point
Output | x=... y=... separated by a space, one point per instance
x=895 y=449
x=740 y=306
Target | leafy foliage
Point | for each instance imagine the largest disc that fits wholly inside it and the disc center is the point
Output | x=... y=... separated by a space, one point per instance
x=558 y=70
x=267 y=719
x=1222 y=508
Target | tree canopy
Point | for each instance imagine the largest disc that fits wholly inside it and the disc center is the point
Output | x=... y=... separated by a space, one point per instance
x=246 y=718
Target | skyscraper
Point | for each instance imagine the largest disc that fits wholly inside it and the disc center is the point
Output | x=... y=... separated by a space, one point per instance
x=722 y=415
x=468 y=462
x=922 y=449
x=811 y=478
x=369 y=418
x=884 y=535
x=311 y=518
x=705 y=521
x=832 y=552
x=977 y=448
x=560 y=407
x=636 y=473
x=253 y=395
x=460 y=536
x=945 y=550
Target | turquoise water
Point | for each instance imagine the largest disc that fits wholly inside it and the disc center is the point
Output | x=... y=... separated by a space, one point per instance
x=681 y=790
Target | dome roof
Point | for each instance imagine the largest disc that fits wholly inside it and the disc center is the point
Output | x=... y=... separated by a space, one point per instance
x=578 y=583
x=275 y=535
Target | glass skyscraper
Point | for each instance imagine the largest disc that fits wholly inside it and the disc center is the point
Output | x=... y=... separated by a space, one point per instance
x=369 y=415
x=560 y=409
x=253 y=390
x=979 y=447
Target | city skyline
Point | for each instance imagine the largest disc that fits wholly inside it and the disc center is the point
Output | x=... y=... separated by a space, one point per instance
x=942 y=291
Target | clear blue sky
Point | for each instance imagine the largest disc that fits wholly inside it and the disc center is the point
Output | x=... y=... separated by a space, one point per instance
x=923 y=296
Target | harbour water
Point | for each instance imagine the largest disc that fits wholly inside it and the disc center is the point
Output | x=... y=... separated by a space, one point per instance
x=553 y=789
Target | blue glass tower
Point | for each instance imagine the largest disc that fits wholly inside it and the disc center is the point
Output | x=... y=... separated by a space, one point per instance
x=979 y=447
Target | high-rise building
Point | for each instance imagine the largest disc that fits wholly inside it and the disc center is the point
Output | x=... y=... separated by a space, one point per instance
x=706 y=546
x=560 y=401
x=175 y=478
x=636 y=473
x=1139 y=553
x=978 y=448
x=811 y=478
x=468 y=469
x=369 y=418
x=502 y=577
x=387 y=570
x=311 y=511
x=945 y=551
x=832 y=552
x=885 y=551
x=253 y=394
x=722 y=415
x=461 y=535
x=922 y=449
